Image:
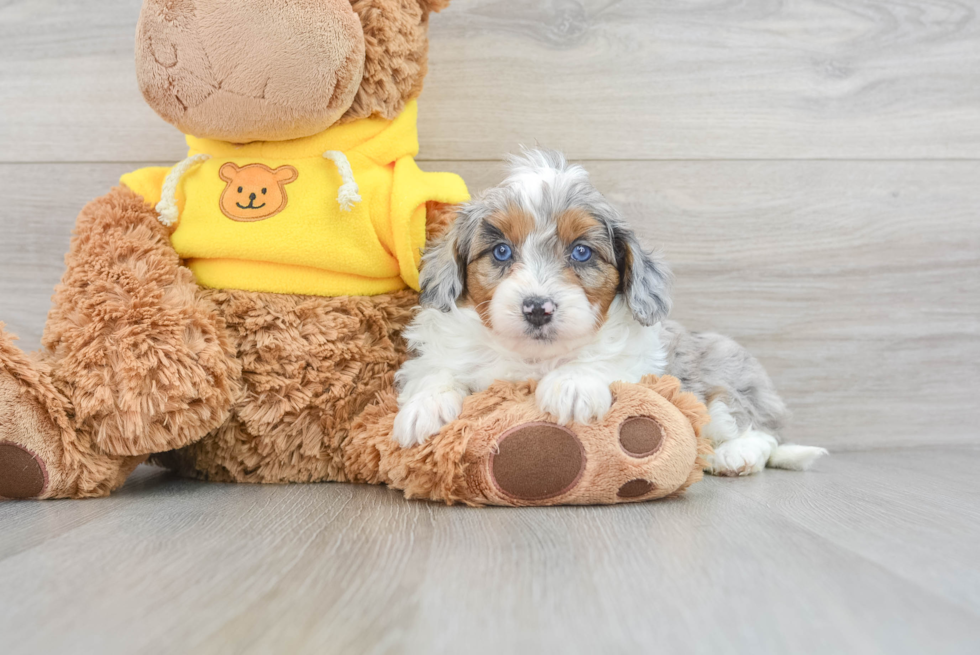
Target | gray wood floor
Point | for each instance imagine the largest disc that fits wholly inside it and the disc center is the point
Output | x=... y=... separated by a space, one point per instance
x=875 y=552
x=811 y=169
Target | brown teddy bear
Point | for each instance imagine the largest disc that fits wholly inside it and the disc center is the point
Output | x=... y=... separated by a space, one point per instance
x=236 y=317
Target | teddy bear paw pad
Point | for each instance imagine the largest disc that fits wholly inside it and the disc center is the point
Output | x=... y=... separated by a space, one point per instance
x=640 y=436
x=22 y=475
x=537 y=461
x=635 y=488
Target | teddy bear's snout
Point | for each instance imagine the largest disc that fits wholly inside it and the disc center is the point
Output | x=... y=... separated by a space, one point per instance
x=284 y=89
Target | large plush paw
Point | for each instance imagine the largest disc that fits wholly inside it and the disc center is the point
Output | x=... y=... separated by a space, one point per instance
x=573 y=397
x=424 y=414
x=744 y=455
x=25 y=430
x=645 y=447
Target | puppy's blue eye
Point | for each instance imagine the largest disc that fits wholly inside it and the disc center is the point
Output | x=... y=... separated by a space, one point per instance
x=502 y=252
x=581 y=253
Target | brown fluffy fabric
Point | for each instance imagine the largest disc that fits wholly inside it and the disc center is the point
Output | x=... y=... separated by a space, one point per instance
x=136 y=360
x=396 y=47
x=142 y=357
x=310 y=366
x=33 y=375
x=33 y=414
x=694 y=411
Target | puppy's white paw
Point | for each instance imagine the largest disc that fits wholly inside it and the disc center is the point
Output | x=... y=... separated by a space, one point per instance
x=572 y=397
x=745 y=455
x=424 y=414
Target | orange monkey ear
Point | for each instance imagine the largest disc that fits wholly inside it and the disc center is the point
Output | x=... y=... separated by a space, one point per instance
x=286 y=174
x=228 y=172
x=434 y=5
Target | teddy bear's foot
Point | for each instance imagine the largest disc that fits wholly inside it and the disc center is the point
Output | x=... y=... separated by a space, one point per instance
x=503 y=450
x=39 y=458
x=27 y=438
x=42 y=454
x=540 y=461
x=645 y=448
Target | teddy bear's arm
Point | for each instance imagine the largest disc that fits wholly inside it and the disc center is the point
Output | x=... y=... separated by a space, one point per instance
x=138 y=349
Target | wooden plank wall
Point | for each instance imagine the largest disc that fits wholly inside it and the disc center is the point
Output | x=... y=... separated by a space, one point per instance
x=811 y=169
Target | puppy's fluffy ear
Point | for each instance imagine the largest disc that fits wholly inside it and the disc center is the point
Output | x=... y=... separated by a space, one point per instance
x=645 y=278
x=443 y=274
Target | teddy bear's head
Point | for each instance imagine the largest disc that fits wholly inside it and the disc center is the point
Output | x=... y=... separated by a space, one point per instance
x=271 y=70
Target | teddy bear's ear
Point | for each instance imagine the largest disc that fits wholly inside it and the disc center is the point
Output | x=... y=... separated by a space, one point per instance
x=228 y=171
x=286 y=174
x=396 y=39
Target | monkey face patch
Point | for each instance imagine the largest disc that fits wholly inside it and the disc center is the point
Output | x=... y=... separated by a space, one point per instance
x=254 y=192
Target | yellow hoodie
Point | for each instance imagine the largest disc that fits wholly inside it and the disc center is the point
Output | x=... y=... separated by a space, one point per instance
x=292 y=217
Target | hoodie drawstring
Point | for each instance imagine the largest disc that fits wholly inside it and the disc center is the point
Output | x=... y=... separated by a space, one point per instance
x=348 y=195
x=167 y=207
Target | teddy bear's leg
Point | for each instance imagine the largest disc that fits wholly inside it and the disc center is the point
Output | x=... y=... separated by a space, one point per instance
x=136 y=358
x=504 y=451
x=310 y=365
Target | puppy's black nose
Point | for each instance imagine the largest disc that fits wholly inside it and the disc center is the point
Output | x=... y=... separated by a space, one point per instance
x=251 y=196
x=538 y=311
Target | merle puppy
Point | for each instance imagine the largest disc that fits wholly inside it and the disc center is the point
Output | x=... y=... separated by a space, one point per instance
x=540 y=277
